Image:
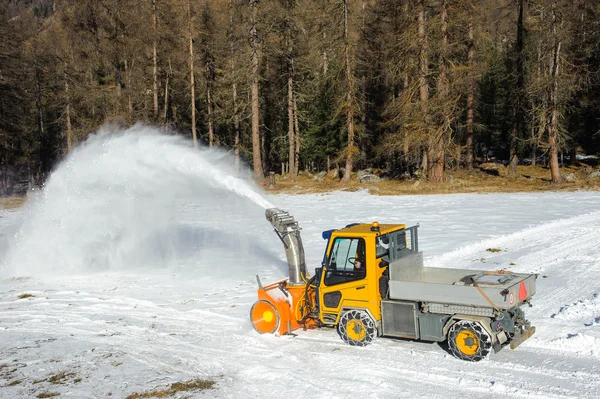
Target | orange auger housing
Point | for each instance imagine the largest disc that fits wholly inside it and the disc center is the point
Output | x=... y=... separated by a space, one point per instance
x=285 y=305
x=282 y=308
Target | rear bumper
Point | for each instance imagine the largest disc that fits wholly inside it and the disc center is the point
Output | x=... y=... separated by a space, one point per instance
x=528 y=332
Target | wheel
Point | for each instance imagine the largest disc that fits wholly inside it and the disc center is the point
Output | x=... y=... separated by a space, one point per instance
x=467 y=340
x=357 y=328
x=265 y=318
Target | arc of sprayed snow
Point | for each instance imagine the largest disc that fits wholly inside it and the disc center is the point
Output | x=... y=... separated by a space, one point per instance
x=218 y=178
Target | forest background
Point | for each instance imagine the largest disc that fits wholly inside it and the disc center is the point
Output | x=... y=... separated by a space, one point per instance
x=411 y=87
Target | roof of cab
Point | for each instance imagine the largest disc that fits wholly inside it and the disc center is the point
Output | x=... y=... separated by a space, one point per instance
x=365 y=228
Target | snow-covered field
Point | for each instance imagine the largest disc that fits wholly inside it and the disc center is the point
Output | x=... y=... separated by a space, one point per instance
x=133 y=286
x=132 y=330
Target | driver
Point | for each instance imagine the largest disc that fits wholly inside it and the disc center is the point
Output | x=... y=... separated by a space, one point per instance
x=358 y=266
x=359 y=263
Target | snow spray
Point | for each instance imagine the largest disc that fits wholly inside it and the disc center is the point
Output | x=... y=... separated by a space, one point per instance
x=133 y=198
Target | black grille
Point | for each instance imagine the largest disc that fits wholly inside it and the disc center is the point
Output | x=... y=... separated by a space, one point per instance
x=332 y=299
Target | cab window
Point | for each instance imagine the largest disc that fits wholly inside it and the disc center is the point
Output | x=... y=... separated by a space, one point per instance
x=347 y=261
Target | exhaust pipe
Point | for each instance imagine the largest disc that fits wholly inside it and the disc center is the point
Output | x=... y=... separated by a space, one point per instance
x=288 y=232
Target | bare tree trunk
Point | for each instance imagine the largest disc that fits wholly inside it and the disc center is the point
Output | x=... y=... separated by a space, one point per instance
x=256 y=142
x=363 y=142
x=209 y=105
x=458 y=155
x=256 y=139
x=443 y=76
x=192 y=84
x=297 y=146
x=349 y=98
x=38 y=100
x=291 y=132
x=553 y=132
x=263 y=142
x=543 y=116
x=117 y=58
x=406 y=139
x=118 y=85
x=517 y=112
x=236 y=127
x=41 y=165
x=423 y=72
x=573 y=153
x=4 y=175
x=68 y=111
x=534 y=144
x=470 y=94
x=90 y=75
x=129 y=90
x=236 y=117
x=166 y=105
x=166 y=101
x=438 y=144
x=211 y=131
x=154 y=58
x=325 y=59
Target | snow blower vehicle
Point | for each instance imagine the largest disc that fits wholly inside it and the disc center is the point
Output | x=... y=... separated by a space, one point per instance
x=372 y=283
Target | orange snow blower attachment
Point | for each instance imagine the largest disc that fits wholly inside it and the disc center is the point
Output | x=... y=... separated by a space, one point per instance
x=280 y=308
x=285 y=305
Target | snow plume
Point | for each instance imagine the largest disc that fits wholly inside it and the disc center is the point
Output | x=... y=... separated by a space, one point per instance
x=114 y=201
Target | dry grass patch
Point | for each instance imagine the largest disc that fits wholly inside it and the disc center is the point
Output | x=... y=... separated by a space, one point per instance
x=193 y=385
x=60 y=377
x=47 y=395
x=528 y=179
x=15 y=382
x=26 y=295
x=12 y=202
x=493 y=250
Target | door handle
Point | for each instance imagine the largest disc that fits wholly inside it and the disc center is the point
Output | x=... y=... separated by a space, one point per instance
x=361 y=287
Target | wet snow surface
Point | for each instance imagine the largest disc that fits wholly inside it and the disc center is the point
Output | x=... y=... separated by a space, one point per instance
x=132 y=329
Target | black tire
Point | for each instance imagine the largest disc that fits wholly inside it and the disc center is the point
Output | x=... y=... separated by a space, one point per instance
x=467 y=340
x=357 y=328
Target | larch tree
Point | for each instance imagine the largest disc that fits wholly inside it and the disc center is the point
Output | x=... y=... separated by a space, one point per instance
x=155 y=59
x=437 y=141
x=208 y=49
x=349 y=105
x=470 y=87
x=411 y=83
x=553 y=128
x=423 y=74
x=234 y=49
x=192 y=71
x=290 y=92
x=518 y=103
x=255 y=45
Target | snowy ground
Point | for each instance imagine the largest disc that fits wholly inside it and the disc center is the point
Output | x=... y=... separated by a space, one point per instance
x=118 y=331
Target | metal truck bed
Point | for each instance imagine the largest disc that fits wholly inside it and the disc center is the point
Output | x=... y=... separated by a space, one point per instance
x=409 y=280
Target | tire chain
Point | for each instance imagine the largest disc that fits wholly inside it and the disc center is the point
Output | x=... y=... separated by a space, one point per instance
x=365 y=319
x=483 y=338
